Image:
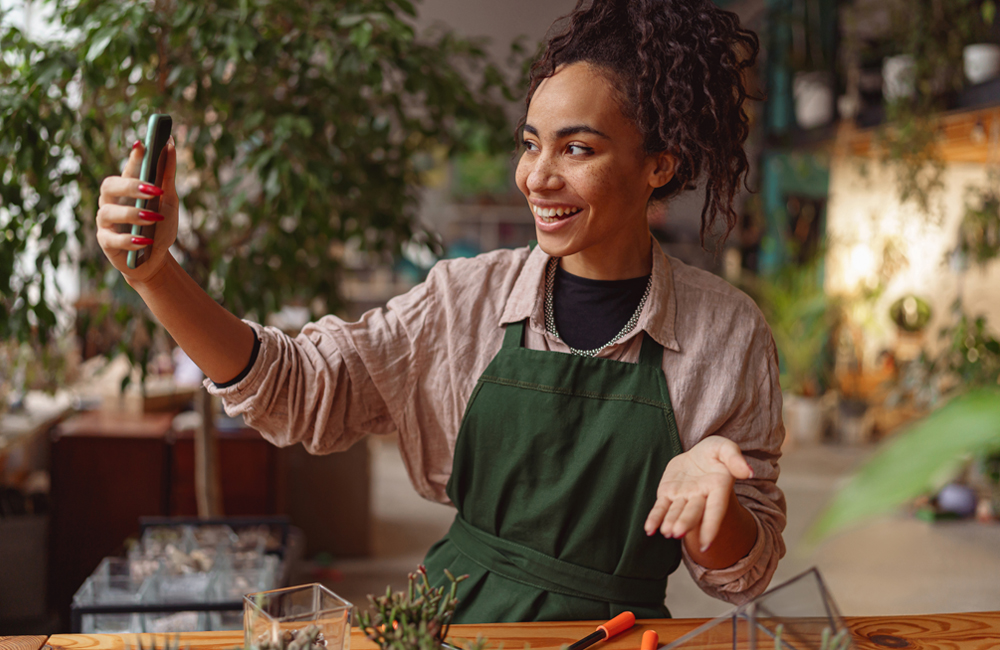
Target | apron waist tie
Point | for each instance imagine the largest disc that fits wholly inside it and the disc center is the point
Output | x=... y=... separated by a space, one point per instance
x=525 y=565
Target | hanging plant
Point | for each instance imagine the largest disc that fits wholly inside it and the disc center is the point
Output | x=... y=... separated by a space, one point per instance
x=910 y=313
x=979 y=233
x=932 y=35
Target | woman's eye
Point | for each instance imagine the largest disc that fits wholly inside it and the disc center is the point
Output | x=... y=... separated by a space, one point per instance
x=529 y=145
x=578 y=149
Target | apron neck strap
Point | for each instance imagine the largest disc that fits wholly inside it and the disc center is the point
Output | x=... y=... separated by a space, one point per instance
x=651 y=353
x=513 y=336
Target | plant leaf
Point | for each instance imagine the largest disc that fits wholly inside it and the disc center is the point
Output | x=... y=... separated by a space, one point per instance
x=917 y=461
x=100 y=43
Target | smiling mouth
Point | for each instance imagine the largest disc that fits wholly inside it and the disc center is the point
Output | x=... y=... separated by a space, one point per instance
x=552 y=215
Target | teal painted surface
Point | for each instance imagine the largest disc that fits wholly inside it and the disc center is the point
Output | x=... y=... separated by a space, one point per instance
x=784 y=17
x=784 y=174
x=780 y=107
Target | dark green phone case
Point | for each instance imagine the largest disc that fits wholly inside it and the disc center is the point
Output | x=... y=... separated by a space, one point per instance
x=153 y=163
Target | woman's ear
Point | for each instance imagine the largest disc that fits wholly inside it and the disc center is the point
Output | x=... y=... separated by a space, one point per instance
x=666 y=166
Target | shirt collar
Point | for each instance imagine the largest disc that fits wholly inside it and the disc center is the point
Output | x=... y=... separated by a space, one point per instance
x=527 y=300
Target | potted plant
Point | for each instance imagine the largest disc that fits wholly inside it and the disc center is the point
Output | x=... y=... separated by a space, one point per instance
x=979 y=233
x=910 y=314
x=922 y=71
x=813 y=81
x=415 y=619
x=981 y=55
x=921 y=460
x=917 y=462
x=802 y=318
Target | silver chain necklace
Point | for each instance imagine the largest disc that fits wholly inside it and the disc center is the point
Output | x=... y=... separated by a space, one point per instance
x=550 y=316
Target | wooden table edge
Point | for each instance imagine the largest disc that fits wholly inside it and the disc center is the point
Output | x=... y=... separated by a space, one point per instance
x=32 y=642
x=955 y=631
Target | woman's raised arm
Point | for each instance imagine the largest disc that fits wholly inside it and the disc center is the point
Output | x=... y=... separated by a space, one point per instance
x=216 y=340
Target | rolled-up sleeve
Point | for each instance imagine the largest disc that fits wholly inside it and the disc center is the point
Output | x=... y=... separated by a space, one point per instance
x=311 y=389
x=407 y=368
x=756 y=426
x=336 y=381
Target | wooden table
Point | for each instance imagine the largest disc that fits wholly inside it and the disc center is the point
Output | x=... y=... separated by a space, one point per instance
x=974 y=631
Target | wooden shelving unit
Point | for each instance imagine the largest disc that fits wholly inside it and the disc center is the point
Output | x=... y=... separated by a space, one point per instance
x=965 y=136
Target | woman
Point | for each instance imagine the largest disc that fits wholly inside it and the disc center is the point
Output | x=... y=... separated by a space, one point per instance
x=596 y=411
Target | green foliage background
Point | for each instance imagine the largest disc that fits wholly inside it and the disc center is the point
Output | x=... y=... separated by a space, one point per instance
x=300 y=126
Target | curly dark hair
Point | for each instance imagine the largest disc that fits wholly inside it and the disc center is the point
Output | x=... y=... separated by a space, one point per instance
x=679 y=67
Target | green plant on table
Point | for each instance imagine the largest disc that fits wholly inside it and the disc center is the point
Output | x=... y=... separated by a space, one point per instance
x=415 y=619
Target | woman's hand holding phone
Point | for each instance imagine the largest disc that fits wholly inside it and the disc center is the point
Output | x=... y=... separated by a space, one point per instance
x=117 y=212
x=219 y=342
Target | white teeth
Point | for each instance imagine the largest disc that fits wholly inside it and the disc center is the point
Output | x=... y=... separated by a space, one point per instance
x=553 y=213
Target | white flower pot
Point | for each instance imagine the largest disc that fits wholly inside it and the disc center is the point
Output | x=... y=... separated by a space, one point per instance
x=803 y=417
x=899 y=77
x=981 y=62
x=813 y=95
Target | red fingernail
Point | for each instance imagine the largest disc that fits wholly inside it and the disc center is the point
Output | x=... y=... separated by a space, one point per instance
x=142 y=241
x=150 y=216
x=136 y=144
x=151 y=190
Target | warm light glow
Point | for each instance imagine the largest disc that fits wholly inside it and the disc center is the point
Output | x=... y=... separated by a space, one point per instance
x=861 y=268
x=874 y=242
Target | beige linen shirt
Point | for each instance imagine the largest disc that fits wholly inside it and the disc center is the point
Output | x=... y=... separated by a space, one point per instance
x=412 y=366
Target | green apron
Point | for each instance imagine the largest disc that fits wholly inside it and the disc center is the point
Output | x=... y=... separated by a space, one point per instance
x=556 y=467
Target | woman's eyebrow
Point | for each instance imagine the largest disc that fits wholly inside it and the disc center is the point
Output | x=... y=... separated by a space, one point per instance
x=567 y=131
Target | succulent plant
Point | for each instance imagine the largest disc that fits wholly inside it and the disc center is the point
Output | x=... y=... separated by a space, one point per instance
x=417 y=619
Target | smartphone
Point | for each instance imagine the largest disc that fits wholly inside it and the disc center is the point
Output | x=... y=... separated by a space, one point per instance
x=154 y=161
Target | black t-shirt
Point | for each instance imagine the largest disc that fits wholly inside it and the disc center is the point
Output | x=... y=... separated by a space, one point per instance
x=589 y=313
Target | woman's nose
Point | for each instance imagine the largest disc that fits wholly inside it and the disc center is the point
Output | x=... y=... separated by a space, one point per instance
x=544 y=175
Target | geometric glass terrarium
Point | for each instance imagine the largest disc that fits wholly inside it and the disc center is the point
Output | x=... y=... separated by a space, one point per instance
x=270 y=616
x=796 y=615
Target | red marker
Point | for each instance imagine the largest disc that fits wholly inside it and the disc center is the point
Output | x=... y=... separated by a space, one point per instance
x=617 y=625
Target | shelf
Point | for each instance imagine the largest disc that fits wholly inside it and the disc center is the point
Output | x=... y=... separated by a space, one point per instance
x=965 y=136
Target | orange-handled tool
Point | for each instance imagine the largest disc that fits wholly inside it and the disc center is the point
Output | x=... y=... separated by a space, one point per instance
x=650 y=640
x=617 y=625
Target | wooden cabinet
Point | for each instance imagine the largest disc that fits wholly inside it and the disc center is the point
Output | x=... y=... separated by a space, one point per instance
x=108 y=470
x=249 y=471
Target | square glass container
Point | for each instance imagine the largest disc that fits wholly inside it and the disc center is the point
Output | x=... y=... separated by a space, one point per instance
x=113 y=583
x=269 y=616
x=239 y=577
x=796 y=615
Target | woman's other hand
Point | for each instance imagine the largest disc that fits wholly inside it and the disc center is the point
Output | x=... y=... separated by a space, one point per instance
x=116 y=209
x=696 y=492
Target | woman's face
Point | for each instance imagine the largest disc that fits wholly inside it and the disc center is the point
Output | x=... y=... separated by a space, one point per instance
x=586 y=176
